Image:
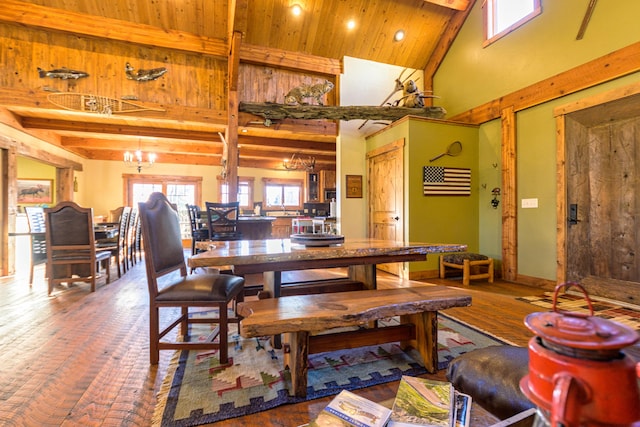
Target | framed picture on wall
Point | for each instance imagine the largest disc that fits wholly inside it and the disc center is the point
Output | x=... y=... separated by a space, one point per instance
x=354 y=186
x=35 y=190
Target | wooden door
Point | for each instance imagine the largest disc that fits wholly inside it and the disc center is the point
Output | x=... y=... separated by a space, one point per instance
x=386 y=196
x=603 y=204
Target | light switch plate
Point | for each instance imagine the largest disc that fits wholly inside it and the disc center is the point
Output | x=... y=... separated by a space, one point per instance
x=529 y=203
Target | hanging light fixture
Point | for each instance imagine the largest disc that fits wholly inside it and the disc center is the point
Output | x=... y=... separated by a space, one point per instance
x=135 y=160
x=298 y=163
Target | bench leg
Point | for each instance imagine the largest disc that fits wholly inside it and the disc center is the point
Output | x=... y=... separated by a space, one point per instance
x=466 y=272
x=365 y=274
x=426 y=341
x=297 y=361
x=490 y=270
x=442 y=270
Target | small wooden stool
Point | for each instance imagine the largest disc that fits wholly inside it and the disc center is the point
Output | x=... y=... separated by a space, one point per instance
x=465 y=261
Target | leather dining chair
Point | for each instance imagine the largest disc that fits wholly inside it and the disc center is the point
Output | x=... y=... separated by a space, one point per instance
x=222 y=221
x=71 y=249
x=35 y=219
x=171 y=286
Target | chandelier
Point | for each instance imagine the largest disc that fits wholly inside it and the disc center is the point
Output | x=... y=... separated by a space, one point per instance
x=135 y=160
x=296 y=162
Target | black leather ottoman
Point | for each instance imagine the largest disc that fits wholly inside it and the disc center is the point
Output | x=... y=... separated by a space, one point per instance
x=491 y=376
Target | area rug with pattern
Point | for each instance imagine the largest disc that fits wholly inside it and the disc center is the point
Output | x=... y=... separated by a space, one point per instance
x=197 y=390
x=575 y=302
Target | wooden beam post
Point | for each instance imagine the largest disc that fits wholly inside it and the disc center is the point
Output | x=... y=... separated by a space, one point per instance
x=509 y=196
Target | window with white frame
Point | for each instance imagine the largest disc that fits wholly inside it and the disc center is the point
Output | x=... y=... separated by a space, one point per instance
x=245 y=191
x=180 y=190
x=503 y=16
x=283 y=193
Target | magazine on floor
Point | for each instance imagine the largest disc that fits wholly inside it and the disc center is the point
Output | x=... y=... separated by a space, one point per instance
x=425 y=402
x=350 y=410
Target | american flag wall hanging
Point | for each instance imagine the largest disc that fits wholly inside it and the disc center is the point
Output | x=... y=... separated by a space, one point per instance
x=442 y=181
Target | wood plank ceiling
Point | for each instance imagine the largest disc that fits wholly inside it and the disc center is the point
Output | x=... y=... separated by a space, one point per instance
x=314 y=42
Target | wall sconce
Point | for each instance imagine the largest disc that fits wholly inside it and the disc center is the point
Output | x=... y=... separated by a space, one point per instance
x=495 y=202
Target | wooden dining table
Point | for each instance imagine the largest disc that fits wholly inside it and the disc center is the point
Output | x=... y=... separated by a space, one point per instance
x=273 y=256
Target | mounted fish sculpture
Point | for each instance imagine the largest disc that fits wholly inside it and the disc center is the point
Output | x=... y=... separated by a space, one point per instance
x=63 y=73
x=144 y=75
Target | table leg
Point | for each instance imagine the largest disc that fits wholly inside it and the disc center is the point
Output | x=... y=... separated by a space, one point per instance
x=272 y=285
x=426 y=341
x=365 y=274
x=298 y=344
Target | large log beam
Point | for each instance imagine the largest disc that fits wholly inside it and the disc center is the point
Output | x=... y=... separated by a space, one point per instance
x=280 y=111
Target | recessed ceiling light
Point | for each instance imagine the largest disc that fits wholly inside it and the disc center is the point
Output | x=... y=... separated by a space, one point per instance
x=296 y=9
x=351 y=24
x=399 y=35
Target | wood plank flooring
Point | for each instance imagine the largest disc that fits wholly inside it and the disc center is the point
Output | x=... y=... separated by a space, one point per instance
x=81 y=358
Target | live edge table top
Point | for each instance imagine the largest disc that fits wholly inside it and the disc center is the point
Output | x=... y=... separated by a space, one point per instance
x=254 y=256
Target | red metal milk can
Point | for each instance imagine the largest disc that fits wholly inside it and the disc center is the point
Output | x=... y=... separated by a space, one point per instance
x=578 y=374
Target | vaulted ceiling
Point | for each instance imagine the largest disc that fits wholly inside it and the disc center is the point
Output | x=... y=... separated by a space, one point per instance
x=269 y=34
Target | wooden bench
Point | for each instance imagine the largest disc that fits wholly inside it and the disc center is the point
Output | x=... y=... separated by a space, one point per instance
x=468 y=263
x=300 y=318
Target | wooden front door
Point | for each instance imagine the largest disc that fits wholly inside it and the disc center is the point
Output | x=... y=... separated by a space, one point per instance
x=386 y=196
x=603 y=202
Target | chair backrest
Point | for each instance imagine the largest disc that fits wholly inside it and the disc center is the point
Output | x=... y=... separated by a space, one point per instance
x=161 y=239
x=194 y=216
x=124 y=223
x=35 y=219
x=70 y=234
x=222 y=219
x=114 y=214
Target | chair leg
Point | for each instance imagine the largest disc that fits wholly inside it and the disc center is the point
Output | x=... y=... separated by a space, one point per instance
x=154 y=335
x=466 y=271
x=31 y=275
x=223 y=335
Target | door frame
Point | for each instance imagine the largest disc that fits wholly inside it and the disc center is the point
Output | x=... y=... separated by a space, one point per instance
x=560 y=114
x=398 y=269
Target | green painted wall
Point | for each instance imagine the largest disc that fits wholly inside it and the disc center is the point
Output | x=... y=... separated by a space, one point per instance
x=472 y=75
x=436 y=219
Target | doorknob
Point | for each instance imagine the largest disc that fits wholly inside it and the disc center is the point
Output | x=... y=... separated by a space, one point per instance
x=397 y=218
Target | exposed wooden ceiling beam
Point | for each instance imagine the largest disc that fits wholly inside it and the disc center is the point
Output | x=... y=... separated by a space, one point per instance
x=47 y=18
x=452 y=4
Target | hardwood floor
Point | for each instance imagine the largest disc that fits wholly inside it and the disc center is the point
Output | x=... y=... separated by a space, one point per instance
x=81 y=358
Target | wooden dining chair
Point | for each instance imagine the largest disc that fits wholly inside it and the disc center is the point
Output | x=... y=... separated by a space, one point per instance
x=222 y=220
x=71 y=249
x=198 y=232
x=171 y=286
x=35 y=219
x=117 y=246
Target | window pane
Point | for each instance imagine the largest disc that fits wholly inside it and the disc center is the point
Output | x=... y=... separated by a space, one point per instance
x=181 y=195
x=243 y=194
x=142 y=191
x=274 y=195
x=292 y=196
x=508 y=12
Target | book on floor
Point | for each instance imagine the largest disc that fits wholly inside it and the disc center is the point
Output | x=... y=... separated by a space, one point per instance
x=350 y=410
x=425 y=402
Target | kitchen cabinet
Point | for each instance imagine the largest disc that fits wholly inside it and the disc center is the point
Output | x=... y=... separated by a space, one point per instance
x=281 y=228
x=328 y=179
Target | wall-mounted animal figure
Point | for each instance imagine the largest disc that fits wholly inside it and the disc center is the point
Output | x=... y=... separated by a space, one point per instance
x=316 y=91
x=63 y=73
x=143 y=75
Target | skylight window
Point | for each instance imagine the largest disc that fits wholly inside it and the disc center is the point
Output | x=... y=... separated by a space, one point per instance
x=503 y=16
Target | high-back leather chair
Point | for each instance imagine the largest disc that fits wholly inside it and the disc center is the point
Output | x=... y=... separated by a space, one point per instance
x=71 y=250
x=35 y=219
x=198 y=232
x=163 y=254
x=222 y=220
